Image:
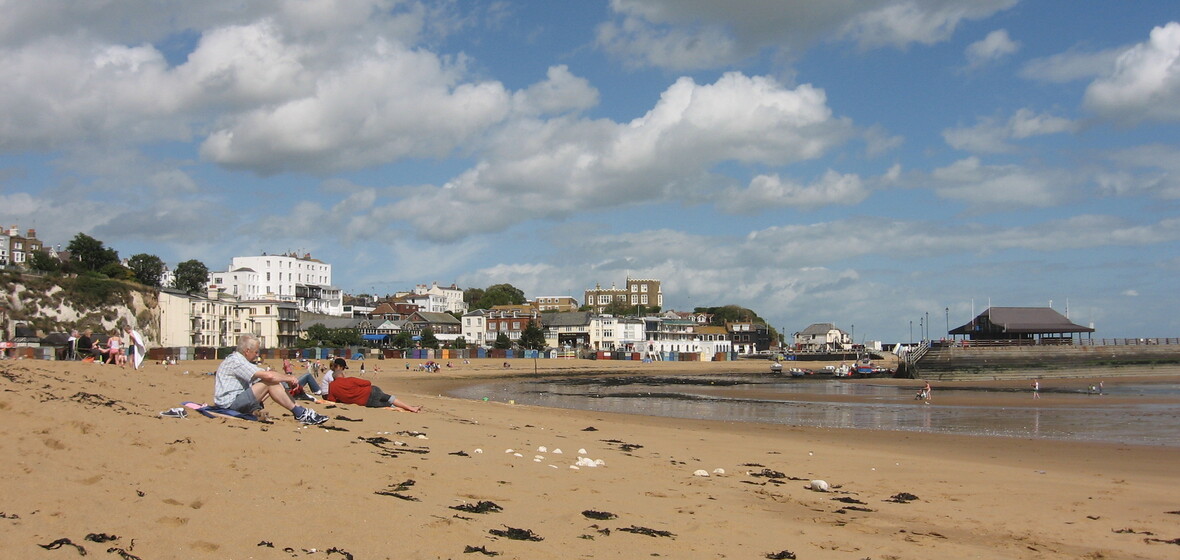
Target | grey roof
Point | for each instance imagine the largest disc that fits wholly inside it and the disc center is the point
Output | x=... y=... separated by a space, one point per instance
x=1022 y=320
x=438 y=318
x=817 y=329
x=331 y=322
x=566 y=319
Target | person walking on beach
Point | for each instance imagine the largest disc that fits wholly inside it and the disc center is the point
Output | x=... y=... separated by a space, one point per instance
x=242 y=386
x=1036 y=389
x=926 y=392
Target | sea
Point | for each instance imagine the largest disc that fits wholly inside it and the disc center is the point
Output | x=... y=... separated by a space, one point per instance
x=1145 y=413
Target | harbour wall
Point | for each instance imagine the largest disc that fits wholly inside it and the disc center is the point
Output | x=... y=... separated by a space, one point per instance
x=993 y=362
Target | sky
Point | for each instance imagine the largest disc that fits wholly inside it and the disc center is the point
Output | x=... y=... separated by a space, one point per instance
x=889 y=166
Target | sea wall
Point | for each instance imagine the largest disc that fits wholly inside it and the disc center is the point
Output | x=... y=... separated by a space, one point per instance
x=1036 y=361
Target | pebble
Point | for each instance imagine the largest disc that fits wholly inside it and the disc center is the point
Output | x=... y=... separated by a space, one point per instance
x=701 y=472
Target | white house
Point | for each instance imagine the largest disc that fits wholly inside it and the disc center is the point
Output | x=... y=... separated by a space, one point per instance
x=451 y=297
x=821 y=337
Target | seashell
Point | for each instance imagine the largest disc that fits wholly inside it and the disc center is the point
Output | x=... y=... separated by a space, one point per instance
x=599 y=462
x=517 y=455
x=719 y=472
x=421 y=436
x=557 y=452
x=819 y=486
x=542 y=449
x=538 y=457
x=477 y=450
x=510 y=451
x=581 y=452
x=575 y=467
x=701 y=472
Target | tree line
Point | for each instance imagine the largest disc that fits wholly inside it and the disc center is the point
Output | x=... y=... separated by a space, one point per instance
x=89 y=256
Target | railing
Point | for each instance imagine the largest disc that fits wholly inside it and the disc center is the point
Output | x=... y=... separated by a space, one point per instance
x=1058 y=342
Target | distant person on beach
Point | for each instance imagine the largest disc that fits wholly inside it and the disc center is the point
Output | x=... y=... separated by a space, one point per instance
x=136 y=349
x=354 y=390
x=1036 y=386
x=242 y=386
x=926 y=392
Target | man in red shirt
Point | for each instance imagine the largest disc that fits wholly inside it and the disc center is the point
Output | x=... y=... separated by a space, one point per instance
x=354 y=390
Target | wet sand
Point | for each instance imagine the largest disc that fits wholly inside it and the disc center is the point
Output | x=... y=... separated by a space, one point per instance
x=86 y=452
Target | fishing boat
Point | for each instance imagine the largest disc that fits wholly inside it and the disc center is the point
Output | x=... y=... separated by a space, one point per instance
x=776 y=368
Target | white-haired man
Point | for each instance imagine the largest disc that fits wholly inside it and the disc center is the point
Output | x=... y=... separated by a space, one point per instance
x=242 y=386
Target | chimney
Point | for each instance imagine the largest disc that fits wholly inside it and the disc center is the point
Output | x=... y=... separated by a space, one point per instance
x=32 y=233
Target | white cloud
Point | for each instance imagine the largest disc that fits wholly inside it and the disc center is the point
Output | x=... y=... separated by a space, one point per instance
x=1145 y=83
x=767 y=192
x=546 y=169
x=901 y=23
x=995 y=46
x=696 y=34
x=388 y=103
x=560 y=92
x=1070 y=66
x=1130 y=293
x=991 y=136
x=1000 y=186
x=1153 y=170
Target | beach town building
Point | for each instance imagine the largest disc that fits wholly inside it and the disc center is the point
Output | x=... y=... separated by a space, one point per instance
x=474 y=327
x=637 y=292
x=218 y=319
x=560 y=304
x=1042 y=324
x=300 y=279
x=18 y=248
x=821 y=337
x=568 y=329
x=446 y=300
x=5 y=258
x=446 y=327
x=749 y=337
x=510 y=322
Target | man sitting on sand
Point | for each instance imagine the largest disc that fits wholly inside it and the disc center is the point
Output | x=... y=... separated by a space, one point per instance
x=242 y=386
x=354 y=390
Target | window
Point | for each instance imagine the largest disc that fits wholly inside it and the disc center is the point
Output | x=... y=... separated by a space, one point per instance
x=643 y=288
x=635 y=288
x=268 y=277
x=644 y=299
x=635 y=299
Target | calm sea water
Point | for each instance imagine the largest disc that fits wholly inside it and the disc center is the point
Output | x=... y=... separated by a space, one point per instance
x=774 y=400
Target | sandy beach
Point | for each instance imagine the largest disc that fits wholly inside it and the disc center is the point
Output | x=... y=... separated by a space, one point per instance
x=86 y=453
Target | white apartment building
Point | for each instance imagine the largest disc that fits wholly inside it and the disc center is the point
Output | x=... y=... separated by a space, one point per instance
x=475 y=327
x=451 y=298
x=289 y=278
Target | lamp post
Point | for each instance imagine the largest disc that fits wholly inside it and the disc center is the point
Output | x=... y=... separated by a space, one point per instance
x=921 y=329
x=853 y=334
x=948 y=322
x=911 y=332
x=927 y=325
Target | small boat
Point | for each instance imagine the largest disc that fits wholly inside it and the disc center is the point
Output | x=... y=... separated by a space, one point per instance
x=776 y=368
x=798 y=372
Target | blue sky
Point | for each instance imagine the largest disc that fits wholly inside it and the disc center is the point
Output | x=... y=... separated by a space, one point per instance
x=857 y=162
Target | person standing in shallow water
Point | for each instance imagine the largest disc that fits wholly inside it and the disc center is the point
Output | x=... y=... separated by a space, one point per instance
x=1036 y=389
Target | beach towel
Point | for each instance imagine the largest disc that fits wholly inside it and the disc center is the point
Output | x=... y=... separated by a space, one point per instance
x=210 y=411
x=139 y=350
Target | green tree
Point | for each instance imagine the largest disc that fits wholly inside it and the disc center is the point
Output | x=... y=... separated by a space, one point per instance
x=41 y=261
x=148 y=269
x=502 y=342
x=428 y=338
x=191 y=276
x=91 y=253
x=403 y=340
x=116 y=271
x=499 y=294
x=318 y=334
x=619 y=308
x=459 y=343
x=532 y=338
x=472 y=296
x=345 y=337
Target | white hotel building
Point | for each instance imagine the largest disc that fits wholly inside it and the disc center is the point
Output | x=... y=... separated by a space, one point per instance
x=303 y=280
